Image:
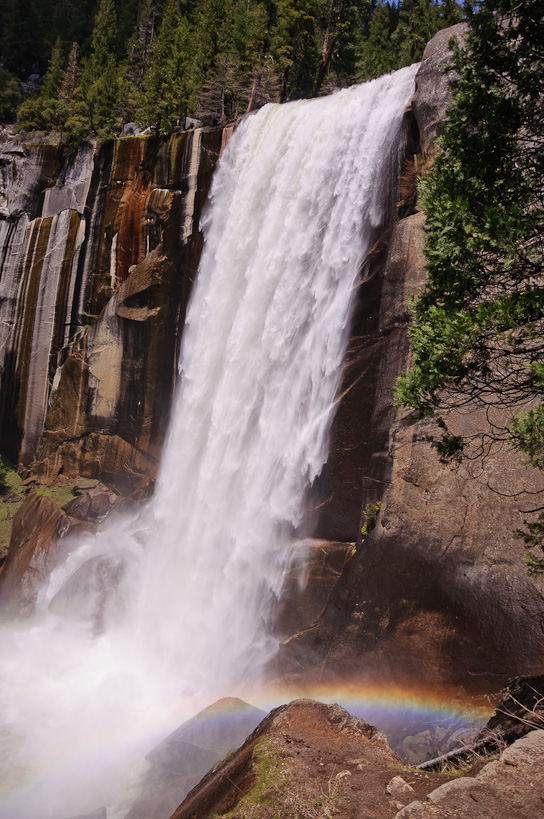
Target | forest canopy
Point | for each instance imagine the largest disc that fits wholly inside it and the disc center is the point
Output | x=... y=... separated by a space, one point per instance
x=156 y=62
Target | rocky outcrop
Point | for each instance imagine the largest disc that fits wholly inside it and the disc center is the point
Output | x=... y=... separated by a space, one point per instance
x=313 y=760
x=305 y=759
x=39 y=541
x=433 y=95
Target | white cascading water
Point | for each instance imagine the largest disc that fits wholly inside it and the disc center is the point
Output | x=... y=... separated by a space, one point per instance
x=95 y=680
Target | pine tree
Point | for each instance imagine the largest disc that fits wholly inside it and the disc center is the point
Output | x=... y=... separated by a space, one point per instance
x=25 y=42
x=139 y=47
x=76 y=126
x=53 y=77
x=339 y=28
x=418 y=21
x=100 y=76
x=377 y=53
x=46 y=112
x=168 y=84
x=256 y=77
x=10 y=95
x=294 y=46
x=451 y=13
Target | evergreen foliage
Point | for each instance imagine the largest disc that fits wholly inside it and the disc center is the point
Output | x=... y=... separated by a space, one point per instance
x=157 y=61
x=45 y=112
x=478 y=327
x=100 y=81
x=167 y=86
x=10 y=95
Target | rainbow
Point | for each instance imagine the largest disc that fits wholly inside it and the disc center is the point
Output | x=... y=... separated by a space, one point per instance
x=399 y=710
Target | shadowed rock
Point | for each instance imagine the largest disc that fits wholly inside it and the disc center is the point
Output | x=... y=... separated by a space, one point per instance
x=520 y=709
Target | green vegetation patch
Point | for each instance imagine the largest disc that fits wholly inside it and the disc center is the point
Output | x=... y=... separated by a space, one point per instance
x=11 y=487
x=62 y=493
x=13 y=493
x=268 y=770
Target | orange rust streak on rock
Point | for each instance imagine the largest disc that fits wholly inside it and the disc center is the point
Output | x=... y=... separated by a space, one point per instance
x=131 y=241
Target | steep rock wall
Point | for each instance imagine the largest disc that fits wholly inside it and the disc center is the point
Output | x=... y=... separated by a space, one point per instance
x=360 y=459
x=99 y=251
x=438 y=591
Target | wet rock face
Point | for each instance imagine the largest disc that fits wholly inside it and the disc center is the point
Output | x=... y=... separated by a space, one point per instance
x=99 y=252
x=314 y=568
x=37 y=527
x=42 y=199
x=359 y=462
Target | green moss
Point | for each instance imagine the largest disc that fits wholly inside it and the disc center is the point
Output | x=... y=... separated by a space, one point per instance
x=454 y=773
x=11 y=485
x=371 y=514
x=267 y=769
x=60 y=493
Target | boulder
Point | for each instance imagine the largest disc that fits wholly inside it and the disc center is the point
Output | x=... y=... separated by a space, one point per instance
x=89 y=594
x=511 y=787
x=37 y=526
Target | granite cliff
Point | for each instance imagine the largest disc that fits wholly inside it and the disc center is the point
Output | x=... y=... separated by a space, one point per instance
x=99 y=251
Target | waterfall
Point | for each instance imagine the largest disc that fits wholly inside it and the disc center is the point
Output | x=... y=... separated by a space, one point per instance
x=105 y=670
